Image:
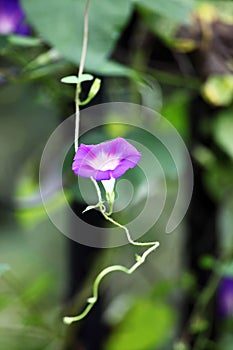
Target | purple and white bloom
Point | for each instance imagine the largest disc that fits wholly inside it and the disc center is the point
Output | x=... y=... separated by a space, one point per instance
x=225 y=297
x=12 y=18
x=105 y=161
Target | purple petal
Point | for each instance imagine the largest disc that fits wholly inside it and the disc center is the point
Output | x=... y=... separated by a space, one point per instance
x=105 y=160
x=84 y=171
x=82 y=152
x=12 y=18
x=10 y=7
x=102 y=175
x=122 y=168
x=225 y=297
x=23 y=29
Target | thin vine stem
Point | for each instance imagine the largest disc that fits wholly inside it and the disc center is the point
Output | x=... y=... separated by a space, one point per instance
x=92 y=300
x=108 y=218
x=139 y=259
x=152 y=245
x=80 y=72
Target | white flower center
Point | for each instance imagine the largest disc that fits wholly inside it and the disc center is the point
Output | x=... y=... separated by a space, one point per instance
x=103 y=162
x=109 y=185
x=110 y=164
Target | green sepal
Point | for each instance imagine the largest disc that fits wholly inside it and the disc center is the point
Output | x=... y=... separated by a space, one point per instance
x=138 y=258
x=90 y=207
x=92 y=93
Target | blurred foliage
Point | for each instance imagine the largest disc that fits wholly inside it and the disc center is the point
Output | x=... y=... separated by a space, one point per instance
x=140 y=328
x=33 y=102
x=223 y=129
x=49 y=18
x=218 y=90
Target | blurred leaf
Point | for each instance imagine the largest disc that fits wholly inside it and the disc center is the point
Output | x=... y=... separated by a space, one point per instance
x=177 y=10
x=5 y=300
x=199 y=325
x=60 y=23
x=181 y=346
x=30 y=216
x=115 y=129
x=184 y=45
x=221 y=268
x=163 y=289
x=218 y=89
x=226 y=340
x=207 y=262
x=16 y=337
x=111 y=68
x=37 y=289
x=204 y=156
x=25 y=41
x=45 y=58
x=145 y=325
x=164 y=24
x=223 y=131
x=224 y=9
x=188 y=282
x=218 y=180
x=163 y=27
x=206 y=12
x=175 y=110
x=43 y=71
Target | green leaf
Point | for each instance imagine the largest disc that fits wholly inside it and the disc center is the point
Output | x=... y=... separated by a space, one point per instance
x=73 y=79
x=60 y=23
x=177 y=10
x=223 y=131
x=146 y=325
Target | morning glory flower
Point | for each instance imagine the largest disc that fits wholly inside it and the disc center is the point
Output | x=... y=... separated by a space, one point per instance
x=225 y=297
x=105 y=161
x=12 y=18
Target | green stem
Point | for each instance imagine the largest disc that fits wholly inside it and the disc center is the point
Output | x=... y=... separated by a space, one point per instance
x=108 y=218
x=92 y=300
x=139 y=259
x=199 y=309
x=80 y=72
